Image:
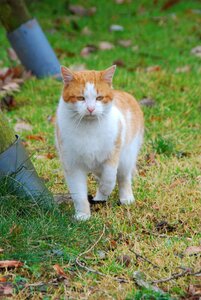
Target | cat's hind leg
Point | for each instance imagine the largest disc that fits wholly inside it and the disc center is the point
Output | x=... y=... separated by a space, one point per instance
x=126 y=170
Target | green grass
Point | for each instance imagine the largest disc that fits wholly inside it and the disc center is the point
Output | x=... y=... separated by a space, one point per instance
x=166 y=189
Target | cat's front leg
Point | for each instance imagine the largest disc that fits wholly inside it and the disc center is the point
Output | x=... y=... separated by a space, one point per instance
x=77 y=184
x=107 y=182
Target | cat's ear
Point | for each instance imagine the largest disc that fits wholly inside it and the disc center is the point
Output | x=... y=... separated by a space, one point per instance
x=67 y=75
x=107 y=74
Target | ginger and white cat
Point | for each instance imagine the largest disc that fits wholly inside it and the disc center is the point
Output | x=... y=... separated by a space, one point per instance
x=99 y=130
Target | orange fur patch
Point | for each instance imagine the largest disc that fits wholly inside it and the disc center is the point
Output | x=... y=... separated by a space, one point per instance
x=132 y=112
x=76 y=87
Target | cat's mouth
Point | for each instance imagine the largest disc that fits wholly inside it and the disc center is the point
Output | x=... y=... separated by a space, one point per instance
x=90 y=117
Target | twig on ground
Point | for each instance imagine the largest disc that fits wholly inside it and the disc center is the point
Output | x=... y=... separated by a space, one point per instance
x=144 y=258
x=186 y=272
x=88 y=269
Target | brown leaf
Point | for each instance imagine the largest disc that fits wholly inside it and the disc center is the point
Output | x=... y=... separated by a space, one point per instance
x=124 y=260
x=192 y=250
x=12 y=54
x=195 y=290
x=88 y=50
x=6 y=290
x=11 y=264
x=176 y=182
x=147 y=102
x=8 y=102
x=11 y=87
x=3 y=279
x=60 y=271
x=50 y=155
x=119 y=63
x=169 y=4
x=125 y=43
x=150 y=158
x=105 y=45
x=79 y=10
x=1 y=250
x=36 y=137
x=22 y=126
x=153 y=69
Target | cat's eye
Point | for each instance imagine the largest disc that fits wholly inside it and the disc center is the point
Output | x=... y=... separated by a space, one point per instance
x=80 y=98
x=99 y=98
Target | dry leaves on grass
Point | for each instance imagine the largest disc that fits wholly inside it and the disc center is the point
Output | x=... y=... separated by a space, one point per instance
x=11 y=80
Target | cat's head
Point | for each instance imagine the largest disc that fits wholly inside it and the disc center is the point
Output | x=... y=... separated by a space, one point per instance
x=88 y=94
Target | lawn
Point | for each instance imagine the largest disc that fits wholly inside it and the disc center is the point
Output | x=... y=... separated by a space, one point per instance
x=159 y=234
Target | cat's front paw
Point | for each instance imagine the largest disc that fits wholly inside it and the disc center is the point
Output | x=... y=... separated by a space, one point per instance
x=82 y=216
x=127 y=201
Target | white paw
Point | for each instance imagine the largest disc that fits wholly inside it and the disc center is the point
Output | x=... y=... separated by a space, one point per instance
x=128 y=200
x=82 y=216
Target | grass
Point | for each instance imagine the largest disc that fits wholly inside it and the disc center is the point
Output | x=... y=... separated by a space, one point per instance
x=167 y=187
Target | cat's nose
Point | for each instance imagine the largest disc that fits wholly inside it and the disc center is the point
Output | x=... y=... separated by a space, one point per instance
x=90 y=109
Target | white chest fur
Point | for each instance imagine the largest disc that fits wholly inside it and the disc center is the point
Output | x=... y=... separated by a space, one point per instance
x=89 y=142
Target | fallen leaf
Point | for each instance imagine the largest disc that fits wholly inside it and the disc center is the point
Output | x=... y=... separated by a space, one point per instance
x=147 y=102
x=119 y=63
x=124 y=260
x=60 y=271
x=194 y=290
x=11 y=264
x=1 y=250
x=125 y=43
x=11 y=86
x=176 y=182
x=3 y=279
x=8 y=102
x=36 y=137
x=22 y=126
x=169 y=4
x=105 y=46
x=6 y=289
x=184 y=69
x=12 y=55
x=196 y=51
x=50 y=155
x=79 y=10
x=150 y=159
x=88 y=50
x=153 y=69
x=116 y=27
x=192 y=250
